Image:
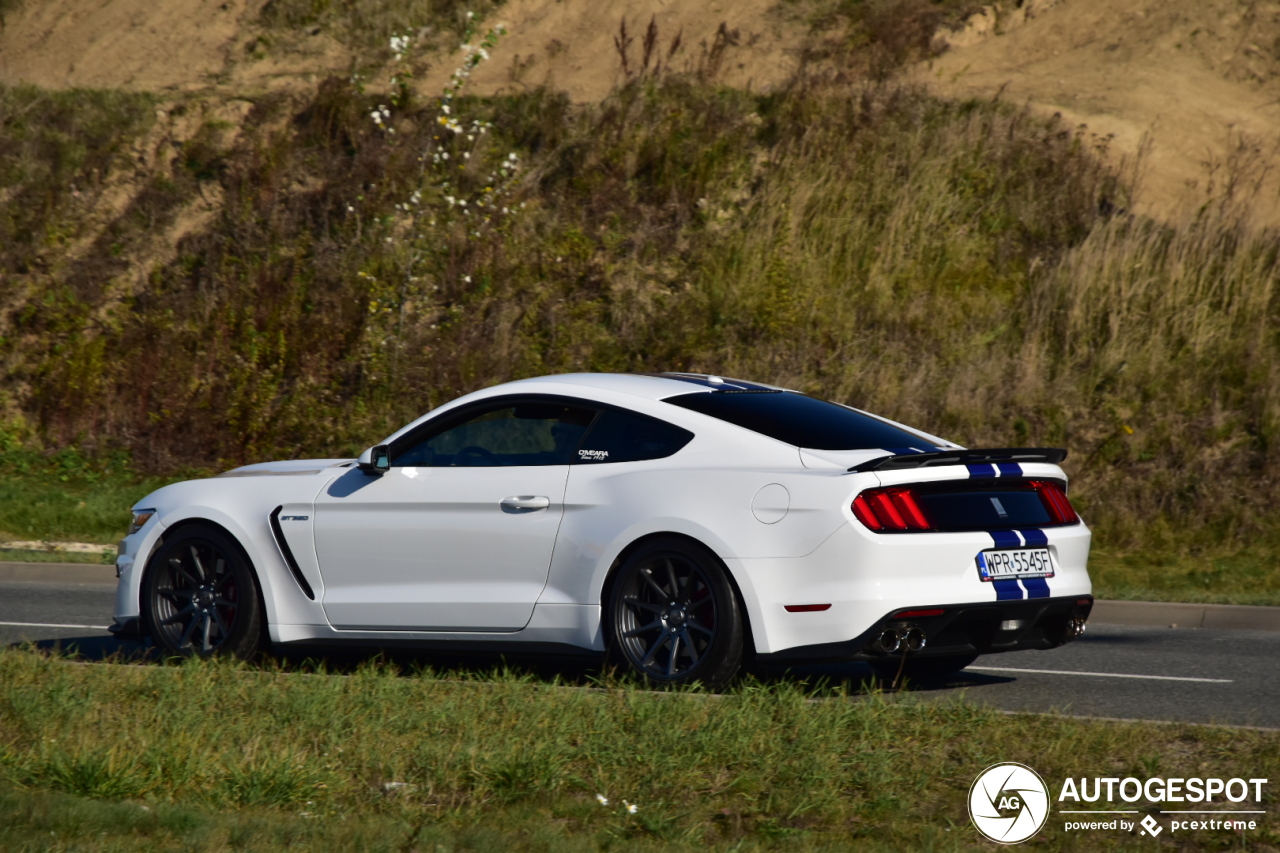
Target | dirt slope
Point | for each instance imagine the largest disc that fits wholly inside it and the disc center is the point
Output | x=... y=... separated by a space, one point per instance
x=1191 y=85
x=1198 y=80
x=571 y=45
x=200 y=44
x=139 y=44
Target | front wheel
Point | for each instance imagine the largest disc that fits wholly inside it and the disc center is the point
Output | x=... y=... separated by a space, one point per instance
x=674 y=617
x=200 y=597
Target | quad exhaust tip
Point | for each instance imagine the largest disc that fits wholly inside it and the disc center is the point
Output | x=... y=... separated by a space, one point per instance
x=1075 y=625
x=910 y=639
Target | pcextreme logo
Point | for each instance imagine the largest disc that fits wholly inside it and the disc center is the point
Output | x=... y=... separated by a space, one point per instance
x=1009 y=803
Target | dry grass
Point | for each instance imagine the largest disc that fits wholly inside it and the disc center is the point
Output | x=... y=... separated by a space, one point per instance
x=964 y=267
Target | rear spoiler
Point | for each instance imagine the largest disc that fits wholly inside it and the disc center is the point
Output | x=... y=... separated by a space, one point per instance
x=902 y=461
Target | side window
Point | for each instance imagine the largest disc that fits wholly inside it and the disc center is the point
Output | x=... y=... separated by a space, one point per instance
x=629 y=437
x=529 y=433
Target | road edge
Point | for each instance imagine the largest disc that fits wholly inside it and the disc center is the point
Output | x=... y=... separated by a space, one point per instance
x=1155 y=614
x=1168 y=614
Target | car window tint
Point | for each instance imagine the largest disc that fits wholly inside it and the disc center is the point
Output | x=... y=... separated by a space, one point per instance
x=514 y=434
x=801 y=420
x=619 y=436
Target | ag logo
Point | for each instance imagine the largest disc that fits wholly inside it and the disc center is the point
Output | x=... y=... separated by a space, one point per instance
x=1008 y=802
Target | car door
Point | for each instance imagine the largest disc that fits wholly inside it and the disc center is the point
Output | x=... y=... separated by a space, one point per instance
x=457 y=535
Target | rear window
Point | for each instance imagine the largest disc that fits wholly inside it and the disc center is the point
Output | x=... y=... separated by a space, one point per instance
x=618 y=436
x=802 y=421
x=984 y=510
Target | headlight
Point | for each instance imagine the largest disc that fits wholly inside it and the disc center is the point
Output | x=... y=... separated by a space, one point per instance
x=140 y=517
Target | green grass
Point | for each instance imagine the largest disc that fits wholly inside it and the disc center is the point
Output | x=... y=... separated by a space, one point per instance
x=14 y=555
x=223 y=756
x=65 y=497
x=1245 y=576
x=368 y=25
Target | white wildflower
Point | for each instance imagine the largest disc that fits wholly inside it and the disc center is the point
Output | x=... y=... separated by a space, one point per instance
x=631 y=807
x=602 y=799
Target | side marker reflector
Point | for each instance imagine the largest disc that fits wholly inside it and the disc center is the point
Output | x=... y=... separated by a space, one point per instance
x=806 y=608
x=919 y=614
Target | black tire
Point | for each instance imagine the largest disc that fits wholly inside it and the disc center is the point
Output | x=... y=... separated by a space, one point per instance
x=673 y=616
x=923 y=667
x=200 y=596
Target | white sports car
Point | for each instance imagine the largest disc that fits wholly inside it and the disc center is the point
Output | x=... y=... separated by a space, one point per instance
x=681 y=522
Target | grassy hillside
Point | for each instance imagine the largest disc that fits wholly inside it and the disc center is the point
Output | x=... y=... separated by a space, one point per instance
x=962 y=266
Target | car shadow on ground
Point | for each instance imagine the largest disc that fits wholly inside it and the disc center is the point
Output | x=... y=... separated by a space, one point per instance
x=849 y=678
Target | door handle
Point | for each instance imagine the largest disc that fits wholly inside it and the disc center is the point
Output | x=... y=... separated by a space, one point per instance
x=525 y=503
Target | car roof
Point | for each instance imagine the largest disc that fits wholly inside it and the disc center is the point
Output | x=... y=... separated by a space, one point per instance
x=648 y=386
x=641 y=391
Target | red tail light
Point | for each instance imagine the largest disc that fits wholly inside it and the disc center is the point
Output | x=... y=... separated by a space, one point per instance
x=936 y=507
x=1055 y=500
x=890 y=509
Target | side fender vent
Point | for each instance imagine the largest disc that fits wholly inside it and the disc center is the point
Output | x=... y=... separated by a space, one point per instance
x=287 y=553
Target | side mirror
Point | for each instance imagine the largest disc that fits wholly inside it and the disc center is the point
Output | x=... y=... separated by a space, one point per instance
x=375 y=460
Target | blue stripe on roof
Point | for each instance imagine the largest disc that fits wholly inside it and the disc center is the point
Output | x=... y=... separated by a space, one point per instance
x=981 y=470
x=1010 y=469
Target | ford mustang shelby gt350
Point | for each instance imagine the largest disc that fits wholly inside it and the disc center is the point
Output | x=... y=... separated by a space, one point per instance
x=680 y=522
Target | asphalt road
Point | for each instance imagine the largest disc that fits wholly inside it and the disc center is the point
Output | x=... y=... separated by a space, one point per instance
x=1182 y=674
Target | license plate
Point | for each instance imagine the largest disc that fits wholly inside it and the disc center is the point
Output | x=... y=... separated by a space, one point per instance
x=1015 y=563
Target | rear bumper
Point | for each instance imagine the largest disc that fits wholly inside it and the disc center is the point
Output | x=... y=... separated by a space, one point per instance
x=961 y=629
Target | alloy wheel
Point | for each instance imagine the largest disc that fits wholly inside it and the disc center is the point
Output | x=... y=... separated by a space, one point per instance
x=666 y=618
x=196 y=599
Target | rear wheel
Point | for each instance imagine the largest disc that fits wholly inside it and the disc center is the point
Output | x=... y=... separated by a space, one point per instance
x=200 y=597
x=674 y=617
x=924 y=667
